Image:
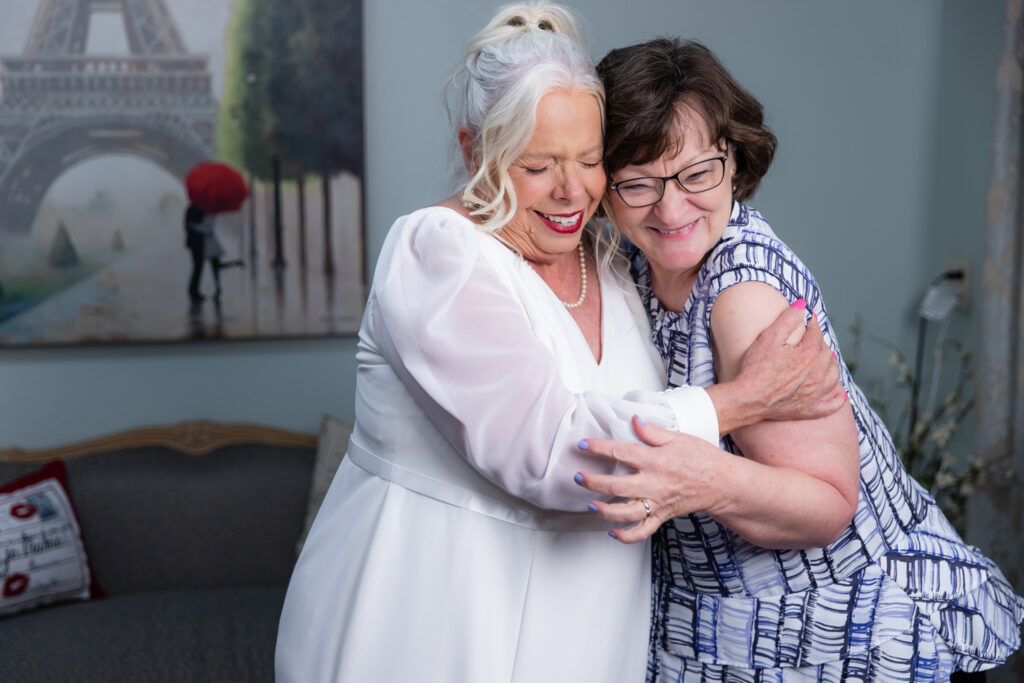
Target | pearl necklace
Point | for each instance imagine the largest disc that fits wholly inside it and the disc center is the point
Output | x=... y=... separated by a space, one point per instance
x=583 y=270
x=583 y=280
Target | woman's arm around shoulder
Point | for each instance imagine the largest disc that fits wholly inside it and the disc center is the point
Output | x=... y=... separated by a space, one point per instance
x=462 y=345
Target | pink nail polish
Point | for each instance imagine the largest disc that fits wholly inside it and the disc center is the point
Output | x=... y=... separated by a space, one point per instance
x=800 y=304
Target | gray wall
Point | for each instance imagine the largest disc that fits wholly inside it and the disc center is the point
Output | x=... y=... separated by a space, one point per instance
x=883 y=111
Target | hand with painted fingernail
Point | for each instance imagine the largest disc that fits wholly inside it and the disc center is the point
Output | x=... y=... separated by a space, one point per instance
x=670 y=478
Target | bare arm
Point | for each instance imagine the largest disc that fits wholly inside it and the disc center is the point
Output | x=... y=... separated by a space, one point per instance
x=797 y=486
x=785 y=374
x=679 y=474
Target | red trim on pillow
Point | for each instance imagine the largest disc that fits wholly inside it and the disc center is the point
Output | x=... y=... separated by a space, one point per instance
x=55 y=469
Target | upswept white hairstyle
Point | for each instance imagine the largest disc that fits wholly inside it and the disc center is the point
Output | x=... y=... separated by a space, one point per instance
x=524 y=52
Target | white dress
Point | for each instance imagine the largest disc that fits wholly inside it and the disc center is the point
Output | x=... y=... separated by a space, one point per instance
x=454 y=545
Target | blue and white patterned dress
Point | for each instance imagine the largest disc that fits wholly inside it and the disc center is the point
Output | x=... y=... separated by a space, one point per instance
x=899 y=597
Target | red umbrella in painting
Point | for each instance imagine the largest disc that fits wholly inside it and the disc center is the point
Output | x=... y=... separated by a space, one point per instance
x=215 y=187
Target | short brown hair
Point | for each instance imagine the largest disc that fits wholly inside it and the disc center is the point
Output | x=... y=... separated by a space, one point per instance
x=645 y=85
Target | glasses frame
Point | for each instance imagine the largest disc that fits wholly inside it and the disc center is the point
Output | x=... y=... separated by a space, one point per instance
x=664 y=181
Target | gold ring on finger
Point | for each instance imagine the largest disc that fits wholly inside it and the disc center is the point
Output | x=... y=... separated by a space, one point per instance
x=647 y=506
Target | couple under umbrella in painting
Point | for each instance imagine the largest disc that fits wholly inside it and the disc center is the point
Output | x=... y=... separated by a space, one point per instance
x=213 y=187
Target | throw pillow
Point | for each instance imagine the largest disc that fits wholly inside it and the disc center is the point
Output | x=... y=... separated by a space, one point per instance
x=330 y=449
x=42 y=556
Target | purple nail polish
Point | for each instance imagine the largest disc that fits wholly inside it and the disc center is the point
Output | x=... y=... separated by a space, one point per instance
x=578 y=478
x=583 y=445
x=591 y=507
x=612 y=534
x=640 y=421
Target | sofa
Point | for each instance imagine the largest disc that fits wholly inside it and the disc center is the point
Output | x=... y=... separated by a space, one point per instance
x=189 y=533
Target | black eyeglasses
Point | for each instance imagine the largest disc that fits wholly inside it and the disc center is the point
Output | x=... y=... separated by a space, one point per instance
x=699 y=177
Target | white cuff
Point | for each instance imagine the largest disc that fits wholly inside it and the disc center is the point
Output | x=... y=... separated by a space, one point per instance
x=694 y=411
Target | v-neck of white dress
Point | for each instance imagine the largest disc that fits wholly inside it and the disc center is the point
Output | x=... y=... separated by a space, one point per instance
x=528 y=274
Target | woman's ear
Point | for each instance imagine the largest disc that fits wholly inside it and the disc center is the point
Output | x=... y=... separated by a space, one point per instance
x=466 y=137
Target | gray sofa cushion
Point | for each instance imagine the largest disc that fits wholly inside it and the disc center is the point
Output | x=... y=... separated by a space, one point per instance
x=193 y=636
x=153 y=518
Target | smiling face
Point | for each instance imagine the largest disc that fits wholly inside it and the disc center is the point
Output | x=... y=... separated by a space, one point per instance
x=677 y=233
x=558 y=179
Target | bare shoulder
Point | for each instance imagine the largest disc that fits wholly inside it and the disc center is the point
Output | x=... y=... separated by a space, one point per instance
x=741 y=313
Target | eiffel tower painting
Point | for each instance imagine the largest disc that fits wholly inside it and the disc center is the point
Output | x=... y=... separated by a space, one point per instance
x=61 y=105
x=105 y=108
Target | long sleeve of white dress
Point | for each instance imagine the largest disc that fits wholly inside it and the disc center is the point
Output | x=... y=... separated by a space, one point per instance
x=462 y=344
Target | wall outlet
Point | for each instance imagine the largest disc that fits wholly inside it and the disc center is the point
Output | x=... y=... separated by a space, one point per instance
x=963 y=301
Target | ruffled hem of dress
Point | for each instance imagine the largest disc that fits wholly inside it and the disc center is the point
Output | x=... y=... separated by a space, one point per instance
x=960 y=591
x=975 y=632
x=792 y=630
x=981 y=628
x=953 y=599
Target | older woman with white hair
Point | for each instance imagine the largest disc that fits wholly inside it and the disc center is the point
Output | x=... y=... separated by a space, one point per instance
x=454 y=544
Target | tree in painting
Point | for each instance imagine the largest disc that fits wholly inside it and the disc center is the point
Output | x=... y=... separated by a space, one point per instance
x=294 y=96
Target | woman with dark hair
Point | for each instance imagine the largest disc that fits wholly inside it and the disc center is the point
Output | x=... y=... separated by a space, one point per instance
x=814 y=555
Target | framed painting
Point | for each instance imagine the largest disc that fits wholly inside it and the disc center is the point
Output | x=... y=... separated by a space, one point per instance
x=177 y=170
